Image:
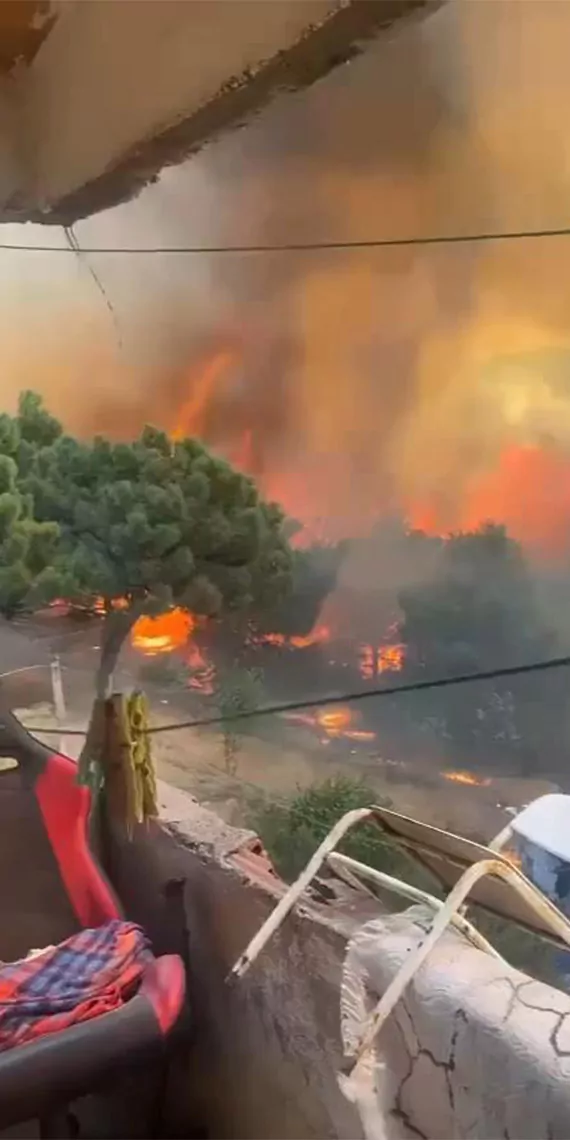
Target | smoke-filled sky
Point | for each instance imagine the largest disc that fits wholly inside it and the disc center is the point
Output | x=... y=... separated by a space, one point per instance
x=432 y=380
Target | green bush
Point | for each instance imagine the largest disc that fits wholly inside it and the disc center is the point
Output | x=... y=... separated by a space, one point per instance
x=292 y=830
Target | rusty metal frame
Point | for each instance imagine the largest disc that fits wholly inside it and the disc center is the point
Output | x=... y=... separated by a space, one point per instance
x=496 y=865
x=344 y=866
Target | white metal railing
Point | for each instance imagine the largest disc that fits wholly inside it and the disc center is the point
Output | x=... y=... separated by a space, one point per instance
x=446 y=913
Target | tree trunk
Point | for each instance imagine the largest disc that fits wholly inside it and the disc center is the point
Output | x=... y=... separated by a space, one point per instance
x=116 y=626
x=105 y=671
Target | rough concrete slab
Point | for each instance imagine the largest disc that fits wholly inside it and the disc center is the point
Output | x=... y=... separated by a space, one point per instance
x=118 y=91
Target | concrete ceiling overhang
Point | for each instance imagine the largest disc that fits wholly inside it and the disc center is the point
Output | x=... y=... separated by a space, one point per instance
x=24 y=25
x=115 y=90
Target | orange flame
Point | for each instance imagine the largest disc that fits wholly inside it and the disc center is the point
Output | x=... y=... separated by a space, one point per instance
x=528 y=490
x=162 y=634
x=317 y=636
x=467 y=778
x=335 y=723
x=390 y=658
x=192 y=415
x=96 y=606
x=204 y=675
x=384 y=659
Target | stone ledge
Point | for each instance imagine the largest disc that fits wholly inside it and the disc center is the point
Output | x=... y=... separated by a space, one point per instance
x=241 y=851
x=340 y=35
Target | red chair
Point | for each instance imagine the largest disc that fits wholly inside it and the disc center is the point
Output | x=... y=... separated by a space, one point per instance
x=50 y=887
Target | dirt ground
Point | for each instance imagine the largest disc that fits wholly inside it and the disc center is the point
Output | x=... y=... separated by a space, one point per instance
x=281 y=758
x=193 y=760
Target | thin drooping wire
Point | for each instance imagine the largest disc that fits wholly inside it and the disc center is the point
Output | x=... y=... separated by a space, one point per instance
x=74 y=247
x=302 y=247
x=341 y=698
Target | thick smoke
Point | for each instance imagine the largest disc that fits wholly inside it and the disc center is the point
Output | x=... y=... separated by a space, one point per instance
x=356 y=383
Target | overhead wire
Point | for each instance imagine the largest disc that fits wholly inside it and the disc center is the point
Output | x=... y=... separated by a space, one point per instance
x=339 y=698
x=300 y=247
x=74 y=247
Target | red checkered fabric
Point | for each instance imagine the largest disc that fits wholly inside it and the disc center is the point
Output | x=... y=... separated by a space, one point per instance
x=93 y=972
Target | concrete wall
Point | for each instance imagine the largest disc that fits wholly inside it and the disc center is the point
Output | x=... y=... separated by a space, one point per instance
x=111 y=76
x=266 y=1052
x=476 y=1050
x=12 y=160
x=118 y=90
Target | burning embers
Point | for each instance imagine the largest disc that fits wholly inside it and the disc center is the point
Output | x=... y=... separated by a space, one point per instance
x=467 y=778
x=333 y=724
x=203 y=677
x=389 y=657
x=318 y=636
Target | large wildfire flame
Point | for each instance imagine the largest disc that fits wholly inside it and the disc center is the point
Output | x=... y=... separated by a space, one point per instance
x=516 y=480
x=191 y=418
x=347 y=372
x=528 y=489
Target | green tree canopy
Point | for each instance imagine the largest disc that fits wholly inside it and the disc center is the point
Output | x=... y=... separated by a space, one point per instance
x=28 y=548
x=151 y=522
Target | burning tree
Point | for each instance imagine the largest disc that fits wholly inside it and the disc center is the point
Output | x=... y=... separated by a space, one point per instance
x=314 y=574
x=141 y=526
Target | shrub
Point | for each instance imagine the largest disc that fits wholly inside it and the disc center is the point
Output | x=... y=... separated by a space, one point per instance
x=292 y=830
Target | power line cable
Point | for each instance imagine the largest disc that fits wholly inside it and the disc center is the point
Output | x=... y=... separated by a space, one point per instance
x=302 y=247
x=74 y=247
x=341 y=698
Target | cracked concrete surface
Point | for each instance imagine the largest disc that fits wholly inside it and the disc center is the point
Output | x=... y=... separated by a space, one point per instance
x=474 y=1050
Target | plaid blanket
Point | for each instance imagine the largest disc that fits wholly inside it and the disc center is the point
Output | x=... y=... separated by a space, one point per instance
x=91 y=973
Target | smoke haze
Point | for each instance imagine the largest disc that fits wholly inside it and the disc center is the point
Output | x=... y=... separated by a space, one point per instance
x=429 y=381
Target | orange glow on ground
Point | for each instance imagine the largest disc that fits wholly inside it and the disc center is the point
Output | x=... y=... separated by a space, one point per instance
x=162 y=634
x=336 y=723
x=467 y=778
x=318 y=636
